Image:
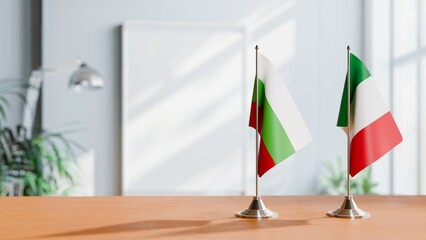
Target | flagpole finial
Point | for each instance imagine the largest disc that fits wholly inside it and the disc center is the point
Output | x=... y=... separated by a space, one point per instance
x=349 y=48
x=257 y=47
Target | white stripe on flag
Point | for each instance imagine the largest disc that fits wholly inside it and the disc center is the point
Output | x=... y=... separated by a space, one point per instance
x=283 y=104
x=369 y=105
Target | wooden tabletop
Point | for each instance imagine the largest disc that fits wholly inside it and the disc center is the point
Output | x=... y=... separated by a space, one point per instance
x=392 y=217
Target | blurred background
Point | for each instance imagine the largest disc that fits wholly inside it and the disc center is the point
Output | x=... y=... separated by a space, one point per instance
x=171 y=117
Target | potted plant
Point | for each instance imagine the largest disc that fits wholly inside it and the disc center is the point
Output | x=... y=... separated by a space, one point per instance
x=33 y=164
x=334 y=180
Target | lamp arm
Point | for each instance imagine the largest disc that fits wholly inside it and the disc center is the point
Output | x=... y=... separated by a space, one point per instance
x=31 y=100
x=33 y=93
x=84 y=76
x=51 y=71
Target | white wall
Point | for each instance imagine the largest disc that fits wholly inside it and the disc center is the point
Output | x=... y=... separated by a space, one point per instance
x=15 y=47
x=306 y=39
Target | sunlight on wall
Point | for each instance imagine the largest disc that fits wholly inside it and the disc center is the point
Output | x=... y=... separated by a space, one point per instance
x=207 y=50
x=280 y=43
x=265 y=13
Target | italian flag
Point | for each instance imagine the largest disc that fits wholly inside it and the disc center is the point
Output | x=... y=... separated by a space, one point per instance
x=281 y=126
x=373 y=130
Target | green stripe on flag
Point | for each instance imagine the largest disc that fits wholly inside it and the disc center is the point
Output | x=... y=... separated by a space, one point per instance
x=273 y=134
x=359 y=73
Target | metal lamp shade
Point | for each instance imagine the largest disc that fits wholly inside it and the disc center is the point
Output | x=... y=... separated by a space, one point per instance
x=86 y=77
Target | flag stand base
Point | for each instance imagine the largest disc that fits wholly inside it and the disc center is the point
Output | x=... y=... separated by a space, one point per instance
x=349 y=209
x=257 y=209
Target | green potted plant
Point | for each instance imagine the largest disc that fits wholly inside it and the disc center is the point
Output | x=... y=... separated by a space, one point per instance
x=333 y=181
x=33 y=166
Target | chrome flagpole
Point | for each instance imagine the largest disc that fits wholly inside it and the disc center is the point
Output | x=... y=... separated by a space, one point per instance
x=257 y=124
x=257 y=208
x=348 y=209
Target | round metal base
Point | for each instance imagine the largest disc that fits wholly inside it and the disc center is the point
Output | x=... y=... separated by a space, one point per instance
x=257 y=209
x=349 y=209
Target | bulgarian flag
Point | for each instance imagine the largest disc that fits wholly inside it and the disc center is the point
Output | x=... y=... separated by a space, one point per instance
x=281 y=126
x=373 y=130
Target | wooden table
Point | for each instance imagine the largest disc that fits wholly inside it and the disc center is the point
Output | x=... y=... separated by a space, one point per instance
x=392 y=217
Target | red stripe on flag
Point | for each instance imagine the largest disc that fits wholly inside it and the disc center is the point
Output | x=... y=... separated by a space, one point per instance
x=252 y=121
x=374 y=141
x=265 y=160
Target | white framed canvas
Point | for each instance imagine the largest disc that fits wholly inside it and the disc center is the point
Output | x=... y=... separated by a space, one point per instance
x=184 y=115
